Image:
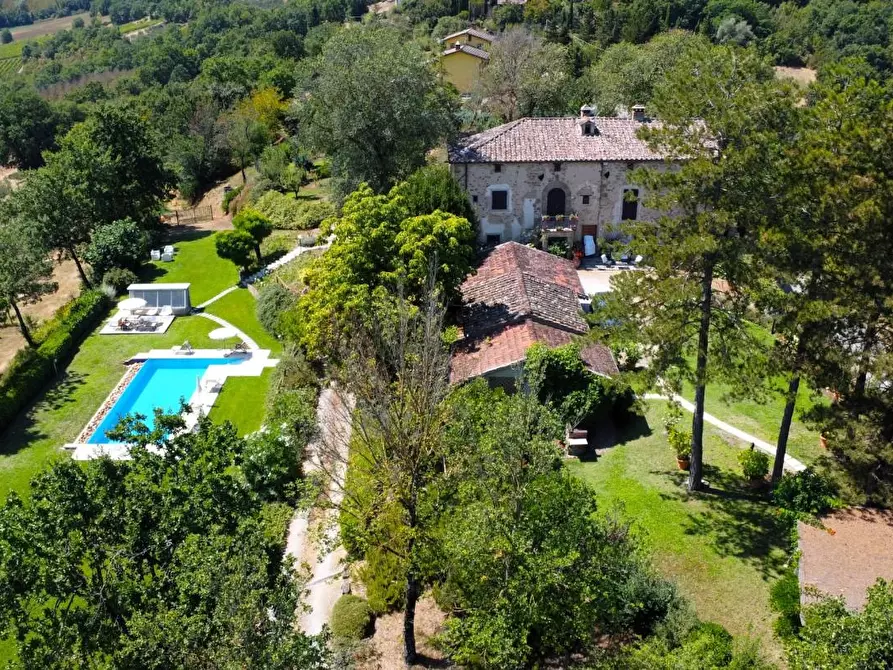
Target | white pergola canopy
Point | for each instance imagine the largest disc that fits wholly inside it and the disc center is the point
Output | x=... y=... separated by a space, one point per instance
x=175 y=296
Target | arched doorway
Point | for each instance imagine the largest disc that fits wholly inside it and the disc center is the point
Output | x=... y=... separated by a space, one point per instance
x=555 y=202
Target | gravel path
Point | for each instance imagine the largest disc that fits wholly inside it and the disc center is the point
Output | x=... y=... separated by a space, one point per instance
x=329 y=454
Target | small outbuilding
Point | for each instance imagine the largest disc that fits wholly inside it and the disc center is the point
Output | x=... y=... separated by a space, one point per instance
x=175 y=296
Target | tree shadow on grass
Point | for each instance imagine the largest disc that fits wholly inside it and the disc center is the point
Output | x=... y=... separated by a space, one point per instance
x=24 y=429
x=609 y=434
x=737 y=521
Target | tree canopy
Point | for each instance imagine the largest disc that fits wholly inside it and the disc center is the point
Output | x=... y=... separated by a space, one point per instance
x=375 y=106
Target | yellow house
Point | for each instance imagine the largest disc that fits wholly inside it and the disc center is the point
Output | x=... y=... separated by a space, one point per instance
x=464 y=58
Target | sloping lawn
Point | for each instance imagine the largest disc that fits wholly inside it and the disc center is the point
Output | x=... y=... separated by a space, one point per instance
x=722 y=547
x=196 y=261
x=242 y=402
x=239 y=308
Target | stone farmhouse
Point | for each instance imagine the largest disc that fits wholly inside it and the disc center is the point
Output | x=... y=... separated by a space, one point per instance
x=557 y=178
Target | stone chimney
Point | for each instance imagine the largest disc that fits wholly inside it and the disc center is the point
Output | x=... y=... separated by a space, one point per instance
x=639 y=113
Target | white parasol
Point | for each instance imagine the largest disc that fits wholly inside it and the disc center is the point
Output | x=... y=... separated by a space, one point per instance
x=131 y=304
x=223 y=333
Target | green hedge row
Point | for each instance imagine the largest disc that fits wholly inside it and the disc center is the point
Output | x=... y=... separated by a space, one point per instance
x=32 y=368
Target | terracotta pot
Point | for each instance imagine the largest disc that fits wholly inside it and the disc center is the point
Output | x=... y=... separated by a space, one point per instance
x=683 y=463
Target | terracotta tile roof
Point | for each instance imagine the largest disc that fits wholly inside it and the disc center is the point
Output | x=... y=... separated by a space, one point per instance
x=470 y=50
x=506 y=347
x=516 y=281
x=474 y=32
x=599 y=359
x=555 y=139
x=851 y=559
x=518 y=296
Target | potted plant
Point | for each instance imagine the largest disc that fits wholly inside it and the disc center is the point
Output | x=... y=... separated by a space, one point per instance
x=680 y=443
x=754 y=466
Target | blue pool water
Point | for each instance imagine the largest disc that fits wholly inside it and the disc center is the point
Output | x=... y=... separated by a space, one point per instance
x=161 y=382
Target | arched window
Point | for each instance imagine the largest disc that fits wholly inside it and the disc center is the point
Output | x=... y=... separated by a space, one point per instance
x=555 y=202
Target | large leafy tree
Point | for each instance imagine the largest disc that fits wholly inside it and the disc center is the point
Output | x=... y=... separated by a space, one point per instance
x=849 y=186
x=378 y=248
x=724 y=115
x=525 y=77
x=163 y=561
x=523 y=546
x=114 y=158
x=25 y=270
x=27 y=126
x=375 y=106
x=57 y=207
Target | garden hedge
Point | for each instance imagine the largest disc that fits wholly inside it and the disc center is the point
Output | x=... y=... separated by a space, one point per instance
x=351 y=618
x=32 y=368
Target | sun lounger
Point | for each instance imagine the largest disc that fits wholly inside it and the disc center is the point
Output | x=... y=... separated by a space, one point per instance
x=183 y=350
x=212 y=384
x=167 y=310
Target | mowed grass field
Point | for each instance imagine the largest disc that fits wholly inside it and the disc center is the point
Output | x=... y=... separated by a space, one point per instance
x=724 y=547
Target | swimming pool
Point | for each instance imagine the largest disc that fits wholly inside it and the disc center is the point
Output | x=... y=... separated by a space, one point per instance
x=161 y=382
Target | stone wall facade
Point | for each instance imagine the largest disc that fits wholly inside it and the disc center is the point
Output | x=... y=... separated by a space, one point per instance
x=593 y=191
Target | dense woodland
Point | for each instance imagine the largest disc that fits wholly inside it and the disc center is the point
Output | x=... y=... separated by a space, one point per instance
x=460 y=492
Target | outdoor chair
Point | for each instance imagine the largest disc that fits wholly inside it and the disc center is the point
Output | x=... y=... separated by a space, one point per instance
x=167 y=257
x=638 y=260
x=155 y=255
x=240 y=348
x=212 y=384
x=607 y=261
x=184 y=349
x=169 y=250
x=167 y=310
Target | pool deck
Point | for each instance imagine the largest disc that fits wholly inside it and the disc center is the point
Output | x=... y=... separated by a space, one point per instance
x=201 y=402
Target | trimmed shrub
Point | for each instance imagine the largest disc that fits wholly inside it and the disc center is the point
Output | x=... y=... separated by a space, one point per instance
x=272 y=301
x=32 y=368
x=754 y=464
x=228 y=198
x=119 y=279
x=287 y=213
x=120 y=244
x=784 y=598
x=805 y=492
x=352 y=618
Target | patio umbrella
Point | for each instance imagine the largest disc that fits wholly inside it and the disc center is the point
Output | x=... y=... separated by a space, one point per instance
x=222 y=333
x=131 y=304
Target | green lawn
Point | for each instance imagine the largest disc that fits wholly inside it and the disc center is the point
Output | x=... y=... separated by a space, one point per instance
x=722 y=547
x=242 y=401
x=139 y=24
x=196 y=262
x=762 y=419
x=238 y=308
